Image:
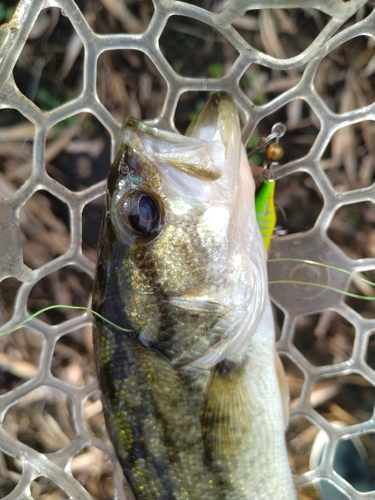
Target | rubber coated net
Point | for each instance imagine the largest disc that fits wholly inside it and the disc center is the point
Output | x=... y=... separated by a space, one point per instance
x=68 y=75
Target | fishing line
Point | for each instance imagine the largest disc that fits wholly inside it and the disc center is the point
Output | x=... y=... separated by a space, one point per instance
x=319 y=285
x=274 y=282
x=63 y=306
x=321 y=264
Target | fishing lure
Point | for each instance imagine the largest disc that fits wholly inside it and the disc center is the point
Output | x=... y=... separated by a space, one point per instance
x=264 y=199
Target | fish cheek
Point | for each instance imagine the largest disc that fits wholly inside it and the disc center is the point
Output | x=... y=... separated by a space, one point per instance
x=172 y=262
x=181 y=258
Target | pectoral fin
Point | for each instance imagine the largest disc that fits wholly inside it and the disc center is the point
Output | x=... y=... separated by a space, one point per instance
x=226 y=422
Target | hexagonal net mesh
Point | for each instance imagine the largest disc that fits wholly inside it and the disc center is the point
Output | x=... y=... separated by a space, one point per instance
x=310 y=67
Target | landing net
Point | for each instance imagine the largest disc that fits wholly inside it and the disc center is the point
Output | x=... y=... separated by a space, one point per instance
x=308 y=64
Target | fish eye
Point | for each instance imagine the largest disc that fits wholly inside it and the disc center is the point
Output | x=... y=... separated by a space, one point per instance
x=141 y=213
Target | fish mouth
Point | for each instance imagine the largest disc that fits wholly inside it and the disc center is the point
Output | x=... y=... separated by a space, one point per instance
x=207 y=149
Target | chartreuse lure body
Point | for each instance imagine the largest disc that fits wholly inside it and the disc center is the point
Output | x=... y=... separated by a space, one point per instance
x=264 y=199
x=265 y=211
x=192 y=390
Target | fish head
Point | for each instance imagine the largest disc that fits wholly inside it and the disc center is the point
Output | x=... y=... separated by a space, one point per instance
x=181 y=257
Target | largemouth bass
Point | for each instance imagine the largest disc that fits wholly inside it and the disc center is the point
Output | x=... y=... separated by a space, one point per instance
x=192 y=393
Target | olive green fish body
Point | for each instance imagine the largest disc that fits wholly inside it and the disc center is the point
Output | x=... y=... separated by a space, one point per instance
x=153 y=412
x=190 y=393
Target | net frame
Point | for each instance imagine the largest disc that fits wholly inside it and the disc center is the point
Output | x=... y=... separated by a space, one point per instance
x=301 y=300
